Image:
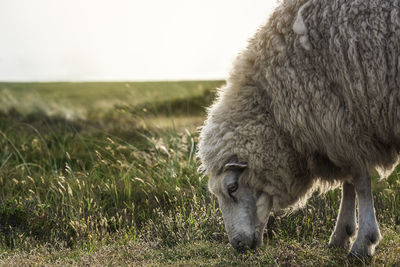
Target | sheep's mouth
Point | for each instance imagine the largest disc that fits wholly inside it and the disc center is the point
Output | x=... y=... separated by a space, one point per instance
x=242 y=248
x=257 y=241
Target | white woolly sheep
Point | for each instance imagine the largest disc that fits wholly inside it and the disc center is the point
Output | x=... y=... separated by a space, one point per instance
x=313 y=102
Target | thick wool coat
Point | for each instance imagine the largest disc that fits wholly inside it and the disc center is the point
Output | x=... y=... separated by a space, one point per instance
x=313 y=100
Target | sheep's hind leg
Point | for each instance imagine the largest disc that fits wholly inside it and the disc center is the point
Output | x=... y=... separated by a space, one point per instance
x=346 y=221
x=368 y=235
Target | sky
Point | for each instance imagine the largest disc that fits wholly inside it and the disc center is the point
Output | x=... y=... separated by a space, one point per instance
x=124 y=40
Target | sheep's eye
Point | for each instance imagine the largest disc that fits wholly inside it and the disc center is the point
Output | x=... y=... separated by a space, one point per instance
x=232 y=188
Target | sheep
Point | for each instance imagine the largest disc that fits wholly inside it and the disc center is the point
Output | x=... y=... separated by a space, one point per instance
x=312 y=103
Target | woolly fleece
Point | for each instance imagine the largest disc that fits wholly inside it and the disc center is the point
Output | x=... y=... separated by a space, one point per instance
x=313 y=100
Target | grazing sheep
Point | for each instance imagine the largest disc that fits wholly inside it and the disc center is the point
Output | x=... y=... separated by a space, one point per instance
x=313 y=102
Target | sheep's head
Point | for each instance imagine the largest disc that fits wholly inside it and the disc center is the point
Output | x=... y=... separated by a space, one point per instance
x=237 y=160
x=249 y=161
x=245 y=210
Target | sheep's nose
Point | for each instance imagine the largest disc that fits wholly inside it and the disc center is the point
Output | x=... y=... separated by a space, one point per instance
x=244 y=244
x=240 y=246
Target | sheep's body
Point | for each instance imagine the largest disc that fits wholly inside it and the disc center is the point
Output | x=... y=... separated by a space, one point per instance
x=313 y=100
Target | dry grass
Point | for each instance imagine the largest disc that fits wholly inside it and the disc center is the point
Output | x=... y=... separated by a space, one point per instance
x=204 y=253
x=121 y=187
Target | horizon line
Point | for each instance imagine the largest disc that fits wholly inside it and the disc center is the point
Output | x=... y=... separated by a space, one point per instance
x=113 y=81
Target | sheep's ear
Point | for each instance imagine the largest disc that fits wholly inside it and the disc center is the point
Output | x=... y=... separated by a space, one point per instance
x=235 y=165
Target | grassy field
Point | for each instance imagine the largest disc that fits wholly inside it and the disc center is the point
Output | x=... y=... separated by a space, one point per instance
x=105 y=174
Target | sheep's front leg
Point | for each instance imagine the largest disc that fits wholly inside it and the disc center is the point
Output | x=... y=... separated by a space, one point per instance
x=368 y=234
x=346 y=221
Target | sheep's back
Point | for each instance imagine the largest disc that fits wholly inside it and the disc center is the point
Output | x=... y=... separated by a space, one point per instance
x=335 y=85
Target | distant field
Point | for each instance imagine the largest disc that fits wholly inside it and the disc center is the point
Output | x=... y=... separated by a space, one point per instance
x=106 y=174
x=184 y=101
x=92 y=95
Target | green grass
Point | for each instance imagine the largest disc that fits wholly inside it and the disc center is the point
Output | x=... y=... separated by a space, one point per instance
x=118 y=185
x=93 y=96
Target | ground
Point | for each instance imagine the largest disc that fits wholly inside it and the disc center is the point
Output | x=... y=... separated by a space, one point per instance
x=105 y=174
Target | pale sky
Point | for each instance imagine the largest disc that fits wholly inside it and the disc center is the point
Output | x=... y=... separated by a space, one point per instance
x=96 y=40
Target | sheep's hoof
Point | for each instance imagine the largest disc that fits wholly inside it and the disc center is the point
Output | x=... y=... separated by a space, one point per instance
x=362 y=255
x=365 y=247
x=341 y=238
x=339 y=243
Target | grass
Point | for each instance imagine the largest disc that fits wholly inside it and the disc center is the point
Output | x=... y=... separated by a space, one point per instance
x=95 y=96
x=117 y=184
